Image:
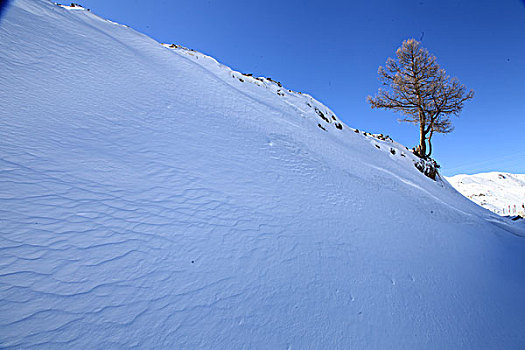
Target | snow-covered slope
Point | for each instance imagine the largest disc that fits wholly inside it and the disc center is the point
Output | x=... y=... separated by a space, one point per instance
x=502 y=193
x=151 y=197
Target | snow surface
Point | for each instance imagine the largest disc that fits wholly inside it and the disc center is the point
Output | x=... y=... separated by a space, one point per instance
x=495 y=191
x=150 y=198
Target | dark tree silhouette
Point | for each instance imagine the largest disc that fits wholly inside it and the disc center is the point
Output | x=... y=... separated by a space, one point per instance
x=421 y=91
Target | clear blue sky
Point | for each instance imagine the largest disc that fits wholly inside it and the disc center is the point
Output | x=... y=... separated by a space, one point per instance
x=332 y=49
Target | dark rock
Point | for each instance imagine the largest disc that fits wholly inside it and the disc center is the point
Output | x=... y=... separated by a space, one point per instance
x=428 y=167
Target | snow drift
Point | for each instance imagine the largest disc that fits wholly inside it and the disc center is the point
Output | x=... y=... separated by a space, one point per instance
x=153 y=198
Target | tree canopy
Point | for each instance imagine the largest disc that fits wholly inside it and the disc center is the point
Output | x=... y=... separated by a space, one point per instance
x=421 y=92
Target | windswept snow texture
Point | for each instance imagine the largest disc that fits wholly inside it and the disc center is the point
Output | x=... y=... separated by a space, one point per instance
x=502 y=193
x=153 y=198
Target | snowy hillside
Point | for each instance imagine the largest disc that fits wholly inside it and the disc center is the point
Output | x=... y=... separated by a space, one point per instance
x=151 y=197
x=502 y=193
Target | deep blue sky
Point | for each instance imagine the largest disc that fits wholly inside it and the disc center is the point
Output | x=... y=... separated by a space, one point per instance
x=332 y=49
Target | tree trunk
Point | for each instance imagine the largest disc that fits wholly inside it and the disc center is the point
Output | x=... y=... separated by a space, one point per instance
x=430 y=143
x=422 y=148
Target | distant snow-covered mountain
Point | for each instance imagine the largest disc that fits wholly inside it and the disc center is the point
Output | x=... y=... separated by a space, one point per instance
x=502 y=193
x=153 y=198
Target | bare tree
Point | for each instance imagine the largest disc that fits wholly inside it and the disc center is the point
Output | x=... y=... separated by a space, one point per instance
x=421 y=91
